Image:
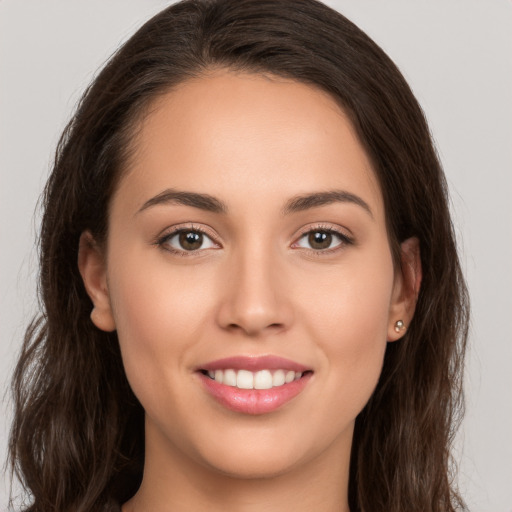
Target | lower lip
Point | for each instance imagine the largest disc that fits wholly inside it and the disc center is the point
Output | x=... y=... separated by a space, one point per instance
x=254 y=401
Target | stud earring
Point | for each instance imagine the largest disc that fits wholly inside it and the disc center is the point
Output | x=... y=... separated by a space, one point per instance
x=399 y=325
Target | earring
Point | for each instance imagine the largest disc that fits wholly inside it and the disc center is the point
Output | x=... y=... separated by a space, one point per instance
x=399 y=325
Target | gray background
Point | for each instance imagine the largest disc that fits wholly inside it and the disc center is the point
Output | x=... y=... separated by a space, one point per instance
x=456 y=54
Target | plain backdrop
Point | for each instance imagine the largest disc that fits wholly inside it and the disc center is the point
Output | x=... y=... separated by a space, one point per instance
x=456 y=55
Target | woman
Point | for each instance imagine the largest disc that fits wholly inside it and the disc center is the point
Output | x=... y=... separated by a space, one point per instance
x=251 y=302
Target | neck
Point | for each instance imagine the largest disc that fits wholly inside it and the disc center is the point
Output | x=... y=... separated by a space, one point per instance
x=175 y=482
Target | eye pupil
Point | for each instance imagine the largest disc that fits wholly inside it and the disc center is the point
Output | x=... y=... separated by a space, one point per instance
x=320 y=239
x=190 y=240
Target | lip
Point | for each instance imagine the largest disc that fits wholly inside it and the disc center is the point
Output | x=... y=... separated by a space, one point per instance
x=253 y=401
x=254 y=364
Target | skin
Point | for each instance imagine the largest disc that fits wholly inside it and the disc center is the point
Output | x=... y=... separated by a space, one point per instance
x=255 y=287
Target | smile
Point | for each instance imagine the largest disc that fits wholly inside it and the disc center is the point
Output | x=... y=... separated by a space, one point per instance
x=254 y=385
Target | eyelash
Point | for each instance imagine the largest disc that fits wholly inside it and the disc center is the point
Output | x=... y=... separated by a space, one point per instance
x=164 y=239
x=345 y=240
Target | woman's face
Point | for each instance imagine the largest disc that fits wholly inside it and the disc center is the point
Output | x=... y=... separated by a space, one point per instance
x=247 y=239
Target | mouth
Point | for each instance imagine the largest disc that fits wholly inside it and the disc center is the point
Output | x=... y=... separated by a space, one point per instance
x=254 y=385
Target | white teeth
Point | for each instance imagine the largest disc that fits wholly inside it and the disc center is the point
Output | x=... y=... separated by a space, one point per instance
x=229 y=378
x=278 y=378
x=244 y=379
x=290 y=376
x=263 y=379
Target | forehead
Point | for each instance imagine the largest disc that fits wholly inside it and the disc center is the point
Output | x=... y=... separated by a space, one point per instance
x=240 y=135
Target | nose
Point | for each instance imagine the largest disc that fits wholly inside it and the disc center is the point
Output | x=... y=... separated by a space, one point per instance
x=256 y=299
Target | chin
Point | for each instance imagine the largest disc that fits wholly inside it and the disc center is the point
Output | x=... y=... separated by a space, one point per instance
x=262 y=466
x=270 y=453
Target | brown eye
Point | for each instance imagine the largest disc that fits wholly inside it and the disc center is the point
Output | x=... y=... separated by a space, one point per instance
x=187 y=240
x=190 y=240
x=320 y=239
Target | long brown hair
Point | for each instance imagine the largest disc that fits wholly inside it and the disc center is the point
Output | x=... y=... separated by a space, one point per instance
x=77 y=441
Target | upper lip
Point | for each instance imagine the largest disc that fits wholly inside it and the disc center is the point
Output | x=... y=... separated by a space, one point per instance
x=254 y=363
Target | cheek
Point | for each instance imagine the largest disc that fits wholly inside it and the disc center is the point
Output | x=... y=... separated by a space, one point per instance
x=352 y=301
x=349 y=321
x=159 y=312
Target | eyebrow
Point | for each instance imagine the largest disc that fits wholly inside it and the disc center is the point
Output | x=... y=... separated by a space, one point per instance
x=201 y=201
x=316 y=199
x=295 y=204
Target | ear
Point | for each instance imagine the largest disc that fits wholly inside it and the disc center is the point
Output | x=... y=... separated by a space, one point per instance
x=92 y=267
x=405 y=289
